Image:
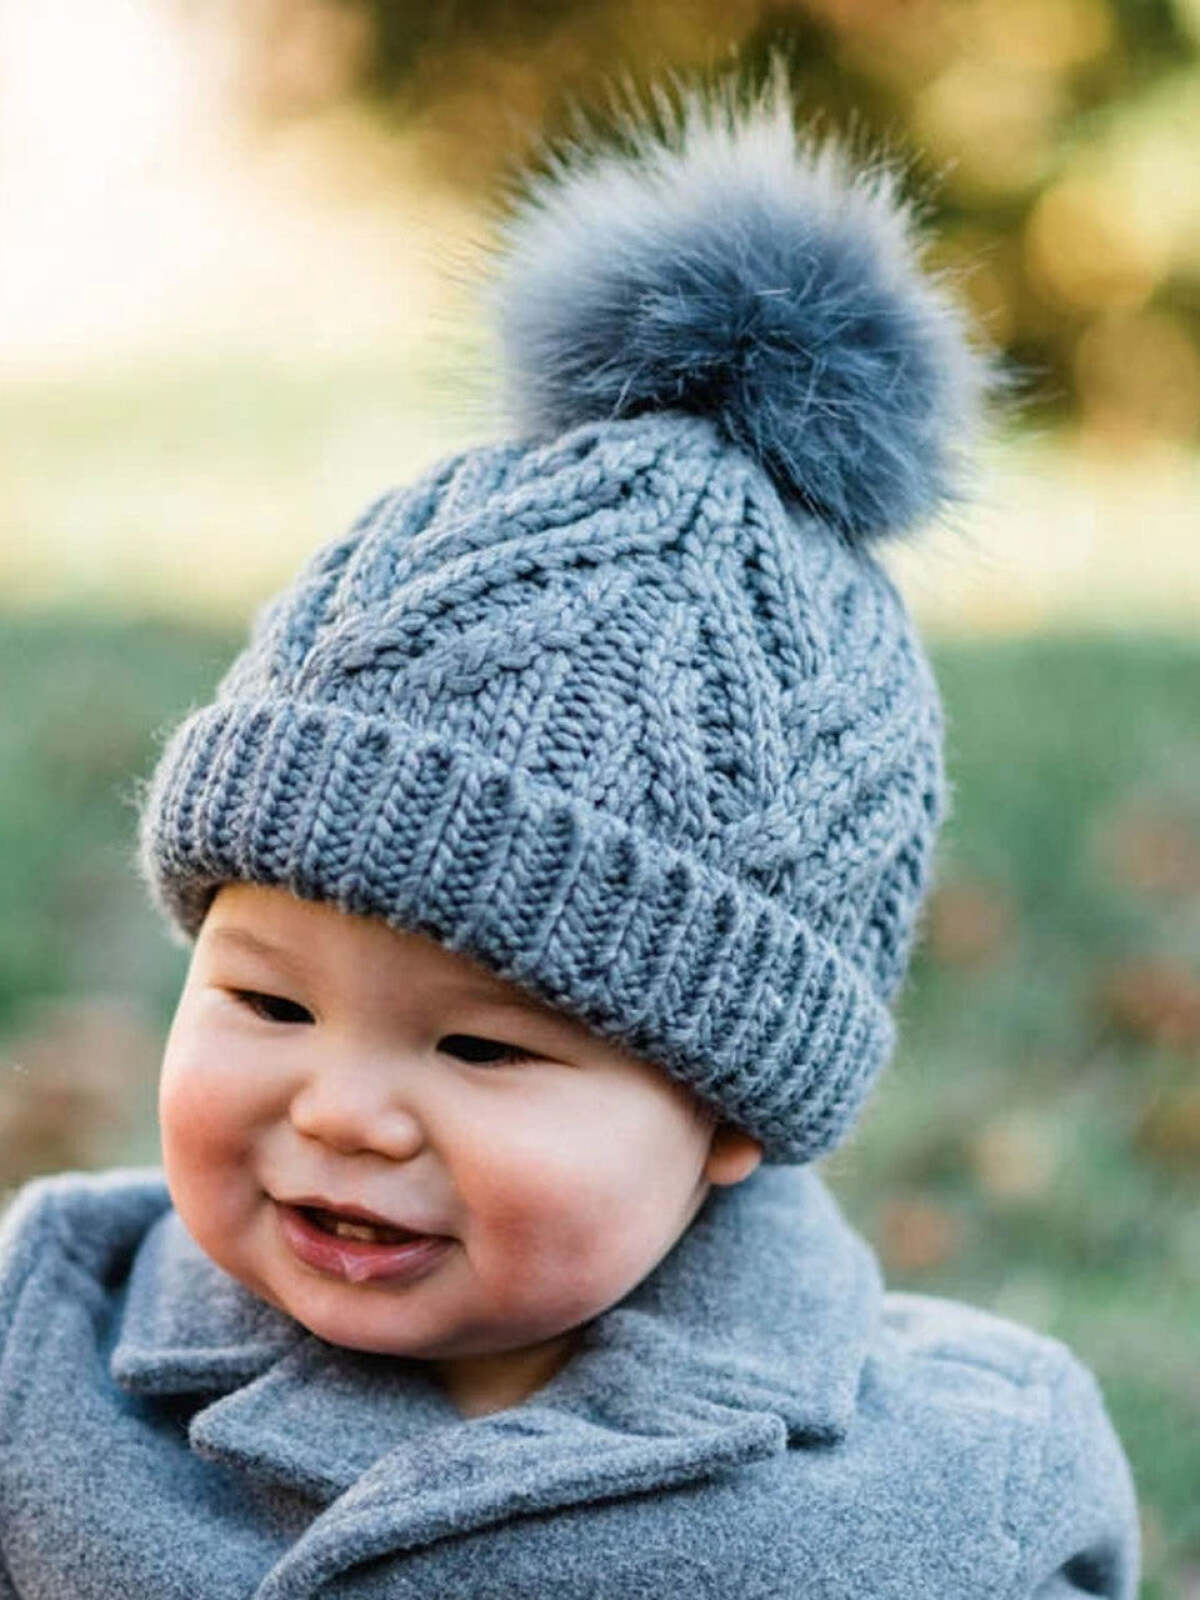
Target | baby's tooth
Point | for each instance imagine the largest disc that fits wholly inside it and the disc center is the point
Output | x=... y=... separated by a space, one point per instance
x=355 y=1230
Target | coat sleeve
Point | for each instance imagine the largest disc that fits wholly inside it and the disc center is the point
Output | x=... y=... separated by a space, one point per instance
x=21 y=1235
x=1078 y=1520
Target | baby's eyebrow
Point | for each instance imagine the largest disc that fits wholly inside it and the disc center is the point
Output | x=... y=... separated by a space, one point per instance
x=255 y=945
x=516 y=1002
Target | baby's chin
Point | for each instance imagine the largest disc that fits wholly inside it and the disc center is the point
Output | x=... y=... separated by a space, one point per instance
x=374 y=1320
x=381 y=1326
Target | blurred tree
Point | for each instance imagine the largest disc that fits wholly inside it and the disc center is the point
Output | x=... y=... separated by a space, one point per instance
x=1052 y=141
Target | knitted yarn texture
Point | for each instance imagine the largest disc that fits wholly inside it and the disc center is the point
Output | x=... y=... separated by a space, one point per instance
x=625 y=708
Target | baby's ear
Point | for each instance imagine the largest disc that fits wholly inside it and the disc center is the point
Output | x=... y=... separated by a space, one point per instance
x=732 y=1155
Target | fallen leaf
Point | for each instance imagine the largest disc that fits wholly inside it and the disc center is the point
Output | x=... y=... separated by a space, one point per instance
x=1014 y=1156
x=1151 y=852
x=1155 y=1002
x=916 y=1235
x=968 y=923
x=1169 y=1130
x=67 y=1084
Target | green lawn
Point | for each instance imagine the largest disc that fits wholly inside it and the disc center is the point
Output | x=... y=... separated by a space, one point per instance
x=1035 y=1147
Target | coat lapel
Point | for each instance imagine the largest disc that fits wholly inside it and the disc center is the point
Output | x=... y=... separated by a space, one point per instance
x=748 y=1337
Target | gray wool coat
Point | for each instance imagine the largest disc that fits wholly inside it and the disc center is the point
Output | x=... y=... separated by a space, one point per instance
x=757 y=1417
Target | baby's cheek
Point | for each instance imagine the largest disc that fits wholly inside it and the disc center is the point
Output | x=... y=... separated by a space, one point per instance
x=585 y=1251
x=213 y=1088
x=207 y=1157
x=194 y=1111
x=532 y=1250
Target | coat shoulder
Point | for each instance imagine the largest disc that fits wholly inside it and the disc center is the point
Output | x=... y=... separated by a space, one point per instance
x=932 y=1333
x=1066 y=1495
x=95 y=1218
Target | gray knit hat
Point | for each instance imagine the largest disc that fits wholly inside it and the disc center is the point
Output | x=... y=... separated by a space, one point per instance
x=626 y=709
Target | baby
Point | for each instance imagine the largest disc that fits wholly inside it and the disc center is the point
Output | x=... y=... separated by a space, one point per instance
x=520 y=1189
x=550 y=859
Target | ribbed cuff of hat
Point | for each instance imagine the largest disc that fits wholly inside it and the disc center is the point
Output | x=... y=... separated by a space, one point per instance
x=658 y=950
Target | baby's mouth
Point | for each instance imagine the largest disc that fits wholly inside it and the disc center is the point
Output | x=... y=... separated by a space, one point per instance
x=344 y=1228
x=352 y=1248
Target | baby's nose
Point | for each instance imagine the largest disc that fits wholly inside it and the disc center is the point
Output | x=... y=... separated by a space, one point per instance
x=358 y=1109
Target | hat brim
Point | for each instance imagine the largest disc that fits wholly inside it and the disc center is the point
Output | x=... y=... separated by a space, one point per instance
x=759 y=1014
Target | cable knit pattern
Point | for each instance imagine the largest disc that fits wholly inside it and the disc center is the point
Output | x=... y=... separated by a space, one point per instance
x=625 y=710
x=594 y=713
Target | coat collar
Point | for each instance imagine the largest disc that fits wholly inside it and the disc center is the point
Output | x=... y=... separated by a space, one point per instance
x=749 y=1336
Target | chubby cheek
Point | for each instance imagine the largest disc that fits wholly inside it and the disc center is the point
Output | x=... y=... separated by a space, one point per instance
x=559 y=1238
x=208 y=1119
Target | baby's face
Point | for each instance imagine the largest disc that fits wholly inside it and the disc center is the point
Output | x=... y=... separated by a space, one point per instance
x=316 y=1054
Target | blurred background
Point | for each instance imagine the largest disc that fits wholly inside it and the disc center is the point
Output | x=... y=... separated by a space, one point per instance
x=237 y=304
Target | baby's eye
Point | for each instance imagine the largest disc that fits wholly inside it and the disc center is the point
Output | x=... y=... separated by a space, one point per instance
x=476 y=1050
x=272 y=1007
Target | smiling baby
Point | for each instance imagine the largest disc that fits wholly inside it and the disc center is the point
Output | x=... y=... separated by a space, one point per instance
x=550 y=860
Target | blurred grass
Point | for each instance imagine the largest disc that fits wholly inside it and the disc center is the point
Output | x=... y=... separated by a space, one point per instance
x=191 y=486
x=1035 y=1147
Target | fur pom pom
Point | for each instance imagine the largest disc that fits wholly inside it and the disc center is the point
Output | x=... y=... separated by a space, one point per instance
x=726 y=269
